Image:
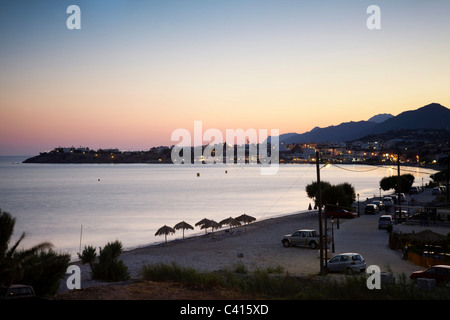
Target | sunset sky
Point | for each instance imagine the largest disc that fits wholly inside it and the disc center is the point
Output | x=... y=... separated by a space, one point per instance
x=138 y=70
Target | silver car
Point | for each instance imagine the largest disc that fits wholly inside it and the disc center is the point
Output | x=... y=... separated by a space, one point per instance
x=302 y=237
x=346 y=262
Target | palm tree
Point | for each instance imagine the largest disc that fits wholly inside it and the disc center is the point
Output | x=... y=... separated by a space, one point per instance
x=12 y=261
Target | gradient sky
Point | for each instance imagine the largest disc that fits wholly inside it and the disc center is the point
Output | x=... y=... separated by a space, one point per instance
x=138 y=70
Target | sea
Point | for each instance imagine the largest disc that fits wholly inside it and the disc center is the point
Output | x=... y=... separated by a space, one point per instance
x=76 y=205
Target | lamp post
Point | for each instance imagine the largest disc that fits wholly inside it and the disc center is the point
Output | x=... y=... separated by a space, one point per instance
x=332 y=235
x=319 y=200
x=358 y=204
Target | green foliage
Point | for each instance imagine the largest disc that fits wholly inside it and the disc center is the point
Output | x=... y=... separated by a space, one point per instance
x=109 y=267
x=44 y=271
x=88 y=255
x=342 y=194
x=440 y=176
x=12 y=262
x=240 y=268
x=278 y=269
x=264 y=284
x=406 y=182
x=173 y=272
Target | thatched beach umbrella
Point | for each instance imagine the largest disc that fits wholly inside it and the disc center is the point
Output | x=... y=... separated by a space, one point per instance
x=246 y=219
x=165 y=230
x=183 y=225
x=201 y=223
x=230 y=221
x=211 y=224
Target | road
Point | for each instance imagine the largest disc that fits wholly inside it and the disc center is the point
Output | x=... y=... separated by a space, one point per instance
x=362 y=235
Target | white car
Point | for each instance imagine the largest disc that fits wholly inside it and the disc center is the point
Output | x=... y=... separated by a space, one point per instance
x=388 y=202
x=436 y=190
x=302 y=237
x=384 y=221
x=346 y=262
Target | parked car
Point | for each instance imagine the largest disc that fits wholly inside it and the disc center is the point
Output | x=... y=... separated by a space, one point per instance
x=302 y=237
x=402 y=215
x=441 y=273
x=346 y=262
x=388 y=201
x=371 y=209
x=17 y=291
x=384 y=221
x=337 y=212
x=394 y=198
x=436 y=191
x=414 y=190
x=379 y=204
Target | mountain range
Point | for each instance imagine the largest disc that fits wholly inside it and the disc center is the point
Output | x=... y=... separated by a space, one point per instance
x=431 y=116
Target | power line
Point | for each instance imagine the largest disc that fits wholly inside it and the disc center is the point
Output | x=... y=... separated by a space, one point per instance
x=354 y=170
x=283 y=194
x=379 y=166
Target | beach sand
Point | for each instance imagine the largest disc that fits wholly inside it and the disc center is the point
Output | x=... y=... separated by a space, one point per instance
x=259 y=247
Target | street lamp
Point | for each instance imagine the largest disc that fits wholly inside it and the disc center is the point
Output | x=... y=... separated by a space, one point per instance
x=358 y=204
x=332 y=234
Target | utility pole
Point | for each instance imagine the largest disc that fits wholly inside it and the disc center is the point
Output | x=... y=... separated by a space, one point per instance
x=447 y=186
x=399 y=181
x=319 y=200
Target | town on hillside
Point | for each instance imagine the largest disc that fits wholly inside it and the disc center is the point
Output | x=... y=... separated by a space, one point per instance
x=409 y=147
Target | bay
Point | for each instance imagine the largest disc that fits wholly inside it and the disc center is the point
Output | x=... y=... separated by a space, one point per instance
x=99 y=203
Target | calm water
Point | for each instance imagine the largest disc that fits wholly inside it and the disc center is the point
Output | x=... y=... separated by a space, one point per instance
x=129 y=202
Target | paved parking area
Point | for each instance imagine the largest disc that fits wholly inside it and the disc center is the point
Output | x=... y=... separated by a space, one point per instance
x=362 y=235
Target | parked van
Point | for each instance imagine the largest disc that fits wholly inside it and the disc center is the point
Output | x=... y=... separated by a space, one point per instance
x=384 y=221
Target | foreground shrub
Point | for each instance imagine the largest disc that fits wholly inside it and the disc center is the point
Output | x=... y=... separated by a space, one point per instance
x=267 y=285
x=12 y=261
x=44 y=271
x=109 y=267
x=88 y=255
x=173 y=272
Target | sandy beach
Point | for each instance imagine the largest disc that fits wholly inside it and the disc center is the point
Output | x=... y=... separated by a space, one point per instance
x=259 y=246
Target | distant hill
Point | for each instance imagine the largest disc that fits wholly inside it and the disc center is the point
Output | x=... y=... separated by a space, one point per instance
x=379 y=118
x=342 y=132
x=432 y=116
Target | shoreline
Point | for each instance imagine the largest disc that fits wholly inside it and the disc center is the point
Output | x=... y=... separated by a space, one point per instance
x=224 y=231
x=258 y=247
